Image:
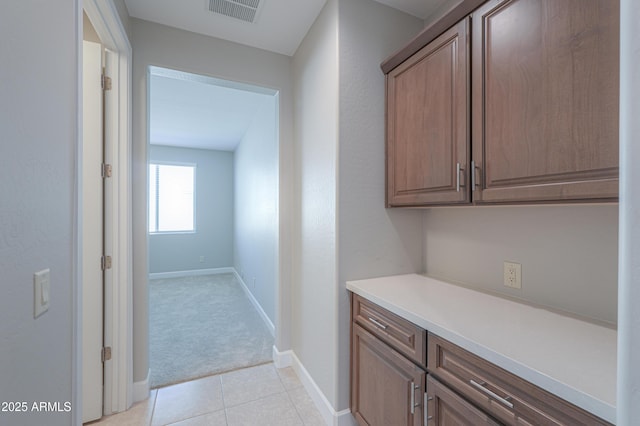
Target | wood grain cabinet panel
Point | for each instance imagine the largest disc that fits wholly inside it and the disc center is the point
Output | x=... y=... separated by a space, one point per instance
x=447 y=408
x=427 y=124
x=386 y=388
x=545 y=100
x=404 y=336
x=502 y=395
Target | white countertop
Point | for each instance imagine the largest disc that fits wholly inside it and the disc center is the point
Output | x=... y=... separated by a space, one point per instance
x=573 y=359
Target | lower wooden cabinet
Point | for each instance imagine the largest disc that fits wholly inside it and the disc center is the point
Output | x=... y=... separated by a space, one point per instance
x=502 y=395
x=391 y=387
x=386 y=388
x=447 y=408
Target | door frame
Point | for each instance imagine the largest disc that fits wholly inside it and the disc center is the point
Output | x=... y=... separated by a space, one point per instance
x=118 y=325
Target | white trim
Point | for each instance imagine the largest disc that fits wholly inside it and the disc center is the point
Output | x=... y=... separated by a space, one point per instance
x=76 y=326
x=628 y=370
x=193 y=273
x=282 y=359
x=141 y=389
x=118 y=384
x=328 y=413
x=256 y=304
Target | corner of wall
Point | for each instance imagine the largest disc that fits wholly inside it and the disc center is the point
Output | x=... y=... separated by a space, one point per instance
x=141 y=389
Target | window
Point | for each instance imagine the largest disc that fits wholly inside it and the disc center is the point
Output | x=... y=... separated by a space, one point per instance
x=171 y=198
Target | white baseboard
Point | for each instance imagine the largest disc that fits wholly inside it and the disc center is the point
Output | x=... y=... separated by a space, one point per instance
x=141 y=389
x=282 y=359
x=255 y=303
x=328 y=413
x=193 y=273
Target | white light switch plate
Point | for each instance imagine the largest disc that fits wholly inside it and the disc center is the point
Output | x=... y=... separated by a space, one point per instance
x=40 y=292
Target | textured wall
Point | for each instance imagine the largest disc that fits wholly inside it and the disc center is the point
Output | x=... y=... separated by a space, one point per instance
x=569 y=254
x=256 y=206
x=344 y=230
x=38 y=203
x=373 y=241
x=315 y=70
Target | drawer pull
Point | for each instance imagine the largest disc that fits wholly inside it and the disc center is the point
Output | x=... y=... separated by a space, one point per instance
x=425 y=410
x=413 y=402
x=481 y=387
x=378 y=323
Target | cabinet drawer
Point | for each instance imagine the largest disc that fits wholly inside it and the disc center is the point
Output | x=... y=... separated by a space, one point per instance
x=445 y=407
x=404 y=336
x=499 y=393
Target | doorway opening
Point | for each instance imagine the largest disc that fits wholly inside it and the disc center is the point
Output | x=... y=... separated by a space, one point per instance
x=213 y=225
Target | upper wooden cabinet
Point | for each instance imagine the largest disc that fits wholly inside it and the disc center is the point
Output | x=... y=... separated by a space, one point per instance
x=545 y=100
x=543 y=106
x=427 y=124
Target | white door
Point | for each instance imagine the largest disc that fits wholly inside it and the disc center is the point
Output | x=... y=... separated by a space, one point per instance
x=92 y=233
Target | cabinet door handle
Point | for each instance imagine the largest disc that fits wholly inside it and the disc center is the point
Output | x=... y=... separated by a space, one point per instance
x=413 y=402
x=458 y=170
x=473 y=175
x=425 y=409
x=378 y=323
x=481 y=387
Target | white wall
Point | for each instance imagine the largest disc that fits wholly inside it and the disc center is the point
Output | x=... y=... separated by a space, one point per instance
x=255 y=225
x=213 y=239
x=315 y=319
x=38 y=212
x=568 y=253
x=344 y=231
x=373 y=241
x=162 y=46
x=444 y=7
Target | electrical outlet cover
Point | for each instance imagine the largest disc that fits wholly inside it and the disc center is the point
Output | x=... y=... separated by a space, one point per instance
x=512 y=275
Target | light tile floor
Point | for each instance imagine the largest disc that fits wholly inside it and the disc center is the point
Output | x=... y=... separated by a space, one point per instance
x=262 y=395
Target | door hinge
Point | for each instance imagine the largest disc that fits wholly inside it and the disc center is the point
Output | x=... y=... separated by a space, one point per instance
x=106 y=170
x=106 y=82
x=106 y=353
x=105 y=262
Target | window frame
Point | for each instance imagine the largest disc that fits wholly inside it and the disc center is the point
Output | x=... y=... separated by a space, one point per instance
x=159 y=163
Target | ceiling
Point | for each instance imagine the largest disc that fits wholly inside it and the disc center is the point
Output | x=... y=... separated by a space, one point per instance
x=280 y=25
x=193 y=111
x=200 y=112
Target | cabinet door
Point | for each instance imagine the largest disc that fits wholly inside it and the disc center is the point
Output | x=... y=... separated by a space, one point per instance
x=427 y=124
x=386 y=388
x=545 y=100
x=447 y=408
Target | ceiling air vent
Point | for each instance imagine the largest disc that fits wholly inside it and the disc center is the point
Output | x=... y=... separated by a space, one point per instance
x=245 y=10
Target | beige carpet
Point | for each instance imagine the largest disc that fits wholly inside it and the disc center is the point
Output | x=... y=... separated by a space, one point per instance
x=203 y=325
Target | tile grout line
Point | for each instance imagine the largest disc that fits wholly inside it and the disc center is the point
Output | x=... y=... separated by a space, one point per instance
x=224 y=403
x=295 y=407
x=288 y=392
x=153 y=407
